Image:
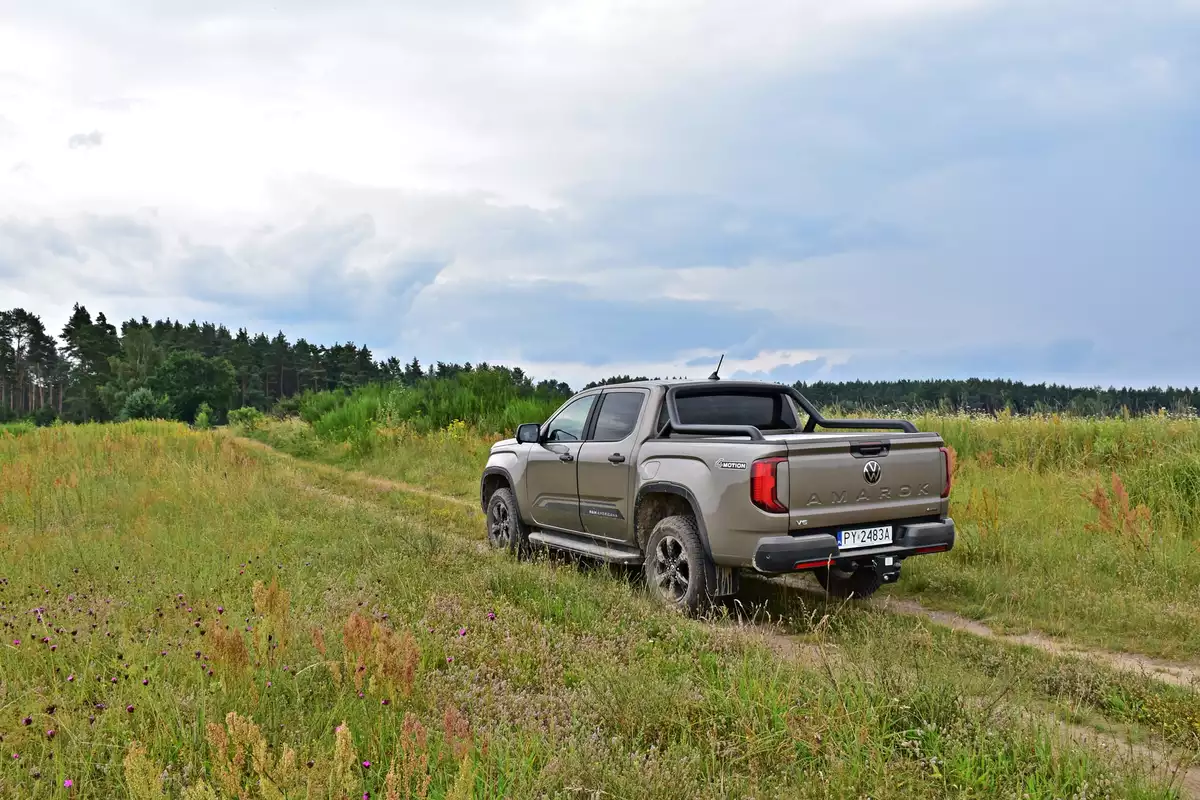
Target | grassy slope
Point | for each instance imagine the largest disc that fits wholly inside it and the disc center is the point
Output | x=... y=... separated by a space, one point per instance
x=1025 y=558
x=131 y=555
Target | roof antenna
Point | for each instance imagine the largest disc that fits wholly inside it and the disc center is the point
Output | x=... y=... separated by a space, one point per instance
x=715 y=376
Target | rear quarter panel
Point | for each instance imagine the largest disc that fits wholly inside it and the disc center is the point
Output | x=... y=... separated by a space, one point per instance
x=717 y=474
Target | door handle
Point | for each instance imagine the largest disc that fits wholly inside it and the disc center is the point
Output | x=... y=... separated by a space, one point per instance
x=566 y=457
x=616 y=458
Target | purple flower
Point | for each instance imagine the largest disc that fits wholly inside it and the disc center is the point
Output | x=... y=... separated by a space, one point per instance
x=385 y=702
x=27 y=721
x=16 y=642
x=449 y=659
x=491 y=615
x=145 y=681
x=366 y=765
x=71 y=678
x=220 y=609
x=462 y=631
x=68 y=783
x=129 y=709
x=50 y=733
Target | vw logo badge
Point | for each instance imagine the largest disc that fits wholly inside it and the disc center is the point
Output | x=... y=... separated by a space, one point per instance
x=872 y=472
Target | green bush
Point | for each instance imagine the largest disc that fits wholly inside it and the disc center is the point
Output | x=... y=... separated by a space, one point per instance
x=246 y=418
x=144 y=404
x=203 y=419
x=44 y=416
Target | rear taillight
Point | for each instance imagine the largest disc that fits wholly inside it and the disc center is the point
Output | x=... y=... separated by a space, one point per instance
x=949 y=471
x=764 y=484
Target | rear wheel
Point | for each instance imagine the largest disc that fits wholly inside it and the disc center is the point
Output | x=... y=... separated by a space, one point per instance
x=505 y=531
x=677 y=568
x=853 y=580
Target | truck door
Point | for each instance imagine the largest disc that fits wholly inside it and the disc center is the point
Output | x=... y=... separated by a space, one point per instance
x=606 y=465
x=551 y=475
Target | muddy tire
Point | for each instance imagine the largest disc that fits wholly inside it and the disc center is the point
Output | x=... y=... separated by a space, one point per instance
x=855 y=581
x=678 y=571
x=505 y=531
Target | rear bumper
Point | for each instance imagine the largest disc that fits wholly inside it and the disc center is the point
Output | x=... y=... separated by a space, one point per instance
x=779 y=554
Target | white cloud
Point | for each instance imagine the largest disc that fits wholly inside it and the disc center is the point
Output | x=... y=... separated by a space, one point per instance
x=333 y=164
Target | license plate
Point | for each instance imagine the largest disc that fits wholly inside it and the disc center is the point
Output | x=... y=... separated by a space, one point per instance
x=865 y=537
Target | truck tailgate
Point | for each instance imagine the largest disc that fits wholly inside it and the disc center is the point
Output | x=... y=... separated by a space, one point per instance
x=837 y=480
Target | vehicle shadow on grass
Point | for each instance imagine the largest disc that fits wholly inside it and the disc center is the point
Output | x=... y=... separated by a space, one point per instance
x=794 y=602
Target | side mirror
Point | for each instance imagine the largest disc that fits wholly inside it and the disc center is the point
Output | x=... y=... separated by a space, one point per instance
x=528 y=433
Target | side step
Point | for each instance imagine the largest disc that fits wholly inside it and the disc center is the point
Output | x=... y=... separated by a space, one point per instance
x=586 y=547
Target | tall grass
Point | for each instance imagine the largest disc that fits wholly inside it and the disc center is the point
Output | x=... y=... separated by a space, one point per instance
x=489 y=401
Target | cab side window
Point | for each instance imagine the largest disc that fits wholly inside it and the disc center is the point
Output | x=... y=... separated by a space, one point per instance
x=568 y=424
x=618 y=416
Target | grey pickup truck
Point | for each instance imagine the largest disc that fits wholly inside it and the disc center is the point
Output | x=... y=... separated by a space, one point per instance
x=696 y=481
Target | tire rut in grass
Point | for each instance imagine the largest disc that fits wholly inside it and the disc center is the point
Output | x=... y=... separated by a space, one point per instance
x=1176 y=674
x=1181 y=773
x=375 y=482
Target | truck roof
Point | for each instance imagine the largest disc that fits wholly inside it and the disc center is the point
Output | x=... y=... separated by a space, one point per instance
x=707 y=382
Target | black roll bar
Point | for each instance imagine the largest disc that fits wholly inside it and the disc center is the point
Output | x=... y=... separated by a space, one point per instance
x=815 y=417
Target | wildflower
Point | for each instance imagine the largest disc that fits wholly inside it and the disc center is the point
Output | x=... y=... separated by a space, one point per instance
x=462 y=631
x=71 y=678
x=16 y=642
x=145 y=681
x=449 y=659
x=53 y=647
x=268 y=684
x=220 y=609
x=16 y=756
x=50 y=733
x=385 y=702
x=491 y=615
x=129 y=708
x=68 y=783
x=27 y=721
x=366 y=765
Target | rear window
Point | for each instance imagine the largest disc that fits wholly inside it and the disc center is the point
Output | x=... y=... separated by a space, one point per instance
x=767 y=412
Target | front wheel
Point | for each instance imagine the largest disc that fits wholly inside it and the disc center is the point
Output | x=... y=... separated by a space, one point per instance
x=854 y=580
x=505 y=531
x=677 y=568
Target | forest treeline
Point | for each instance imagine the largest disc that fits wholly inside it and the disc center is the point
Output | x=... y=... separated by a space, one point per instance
x=90 y=370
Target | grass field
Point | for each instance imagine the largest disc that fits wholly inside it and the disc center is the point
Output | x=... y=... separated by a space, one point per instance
x=186 y=616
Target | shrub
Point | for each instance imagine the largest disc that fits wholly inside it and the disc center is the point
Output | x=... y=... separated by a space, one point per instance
x=44 y=416
x=144 y=404
x=246 y=418
x=203 y=419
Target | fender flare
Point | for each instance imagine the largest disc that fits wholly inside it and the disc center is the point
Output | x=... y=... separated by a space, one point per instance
x=668 y=487
x=504 y=473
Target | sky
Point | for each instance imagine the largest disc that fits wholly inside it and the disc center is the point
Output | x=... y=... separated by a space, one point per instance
x=867 y=189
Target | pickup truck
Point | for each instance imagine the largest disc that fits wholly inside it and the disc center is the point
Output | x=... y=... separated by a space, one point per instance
x=697 y=481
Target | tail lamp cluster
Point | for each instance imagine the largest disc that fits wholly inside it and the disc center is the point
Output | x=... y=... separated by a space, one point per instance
x=764 y=482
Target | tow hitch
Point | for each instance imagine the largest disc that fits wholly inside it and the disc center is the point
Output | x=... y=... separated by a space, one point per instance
x=888 y=568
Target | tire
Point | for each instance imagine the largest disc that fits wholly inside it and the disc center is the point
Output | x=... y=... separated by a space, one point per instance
x=677 y=569
x=859 y=582
x=505 y=531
